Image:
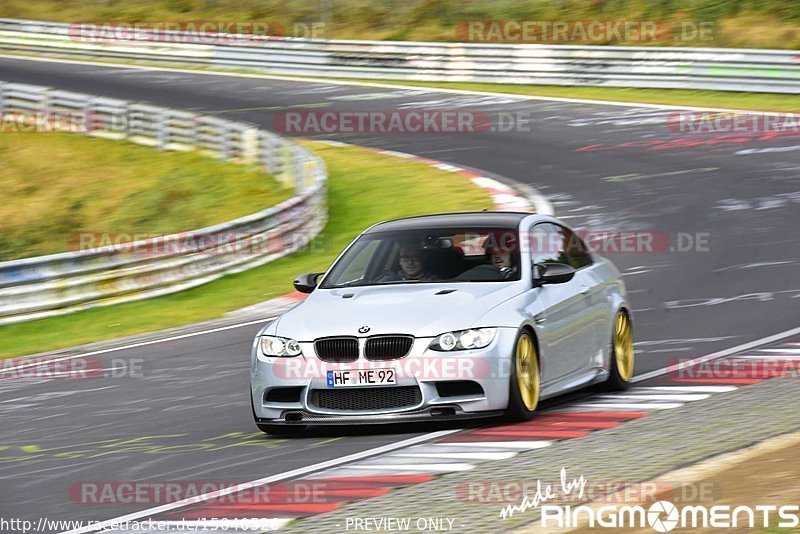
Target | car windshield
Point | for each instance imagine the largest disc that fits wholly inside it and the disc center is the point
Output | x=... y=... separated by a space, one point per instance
x=428 y=256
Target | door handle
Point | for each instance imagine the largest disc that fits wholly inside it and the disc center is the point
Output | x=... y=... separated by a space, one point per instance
x=539 y=318
x=585 y=290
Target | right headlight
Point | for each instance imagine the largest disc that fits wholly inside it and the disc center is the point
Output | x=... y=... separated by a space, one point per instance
x=280 y=347
x=474 y=338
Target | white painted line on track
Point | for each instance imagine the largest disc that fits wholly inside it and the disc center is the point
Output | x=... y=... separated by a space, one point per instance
x=726 y=352
x=46 y=360
x=631 y=405
x=687 y=389
x=517 y=445
x=457 y=455
x=657 y=396
x=336 y=462
x=791 y=352
x=421 y=89
x=424 y=468
x=766 y=358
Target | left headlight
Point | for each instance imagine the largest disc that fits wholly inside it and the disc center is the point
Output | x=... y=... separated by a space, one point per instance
x=474 y=338
x=280 y=346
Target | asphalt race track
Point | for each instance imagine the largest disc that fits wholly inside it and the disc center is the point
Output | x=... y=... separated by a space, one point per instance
x=603 y=167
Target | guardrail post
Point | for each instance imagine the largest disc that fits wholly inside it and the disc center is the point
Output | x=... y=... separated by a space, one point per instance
x=89 y=118
x=225 y=141
x=162 y=133
x=249 y=149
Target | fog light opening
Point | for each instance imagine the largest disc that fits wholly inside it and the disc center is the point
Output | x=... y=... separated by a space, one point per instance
x=438 y=412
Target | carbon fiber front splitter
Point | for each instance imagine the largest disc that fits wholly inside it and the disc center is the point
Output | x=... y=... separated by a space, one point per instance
x=438 y=413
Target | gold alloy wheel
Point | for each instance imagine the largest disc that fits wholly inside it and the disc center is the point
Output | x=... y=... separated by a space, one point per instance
x=527 y=372
x=623 y=346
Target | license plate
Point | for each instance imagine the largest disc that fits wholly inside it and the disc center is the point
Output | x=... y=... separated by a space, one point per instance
x=361 y=377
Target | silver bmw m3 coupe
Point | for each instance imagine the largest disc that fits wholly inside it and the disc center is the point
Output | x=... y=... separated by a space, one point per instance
x=444 y=316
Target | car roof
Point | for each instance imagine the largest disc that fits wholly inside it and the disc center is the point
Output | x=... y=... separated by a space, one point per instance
x=486 y=219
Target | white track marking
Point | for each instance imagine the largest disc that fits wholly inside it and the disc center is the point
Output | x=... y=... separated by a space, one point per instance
x=336 y=462
x=517 y=445
x=326 y=81
x=457 y=455
x=727 y=352
x=423 y=468
x=657 y=396
x=768 y=358
x=687 y=389
x=790 y=352
x=631 y=405
x=46 y=360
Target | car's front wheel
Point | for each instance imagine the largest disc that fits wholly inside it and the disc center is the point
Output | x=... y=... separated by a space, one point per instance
x=525 y=386
x=623 y=358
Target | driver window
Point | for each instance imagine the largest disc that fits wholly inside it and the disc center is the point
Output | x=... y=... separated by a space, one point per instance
x=548 y=244
x=553 y=243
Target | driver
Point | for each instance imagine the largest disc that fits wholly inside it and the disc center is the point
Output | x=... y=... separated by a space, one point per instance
x=502 y=262
x=499 y=255
x=412 y=265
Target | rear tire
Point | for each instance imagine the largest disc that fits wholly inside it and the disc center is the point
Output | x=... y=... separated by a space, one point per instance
x=525 y=379
x=623 y=358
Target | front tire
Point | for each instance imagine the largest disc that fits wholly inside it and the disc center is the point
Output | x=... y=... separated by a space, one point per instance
x=525 y=380
x=623 y=358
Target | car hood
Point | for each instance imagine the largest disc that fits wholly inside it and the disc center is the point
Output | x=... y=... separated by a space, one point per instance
x=424 y=310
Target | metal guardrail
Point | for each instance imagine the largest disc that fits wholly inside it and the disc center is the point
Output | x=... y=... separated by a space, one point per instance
x=33 y=288
x=773 y=71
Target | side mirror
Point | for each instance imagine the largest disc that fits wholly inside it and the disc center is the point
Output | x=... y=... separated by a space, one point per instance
x=552 y=273
x=306 y=283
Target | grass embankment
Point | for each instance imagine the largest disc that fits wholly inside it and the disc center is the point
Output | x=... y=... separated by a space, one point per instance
x=56 y=186
x=364 y=188
x=734 y=23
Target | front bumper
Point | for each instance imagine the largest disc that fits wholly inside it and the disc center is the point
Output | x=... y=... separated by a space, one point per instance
x=429 y=371
x=444 y=413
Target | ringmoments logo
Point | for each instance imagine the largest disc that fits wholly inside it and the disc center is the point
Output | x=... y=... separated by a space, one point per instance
x=661 y=516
